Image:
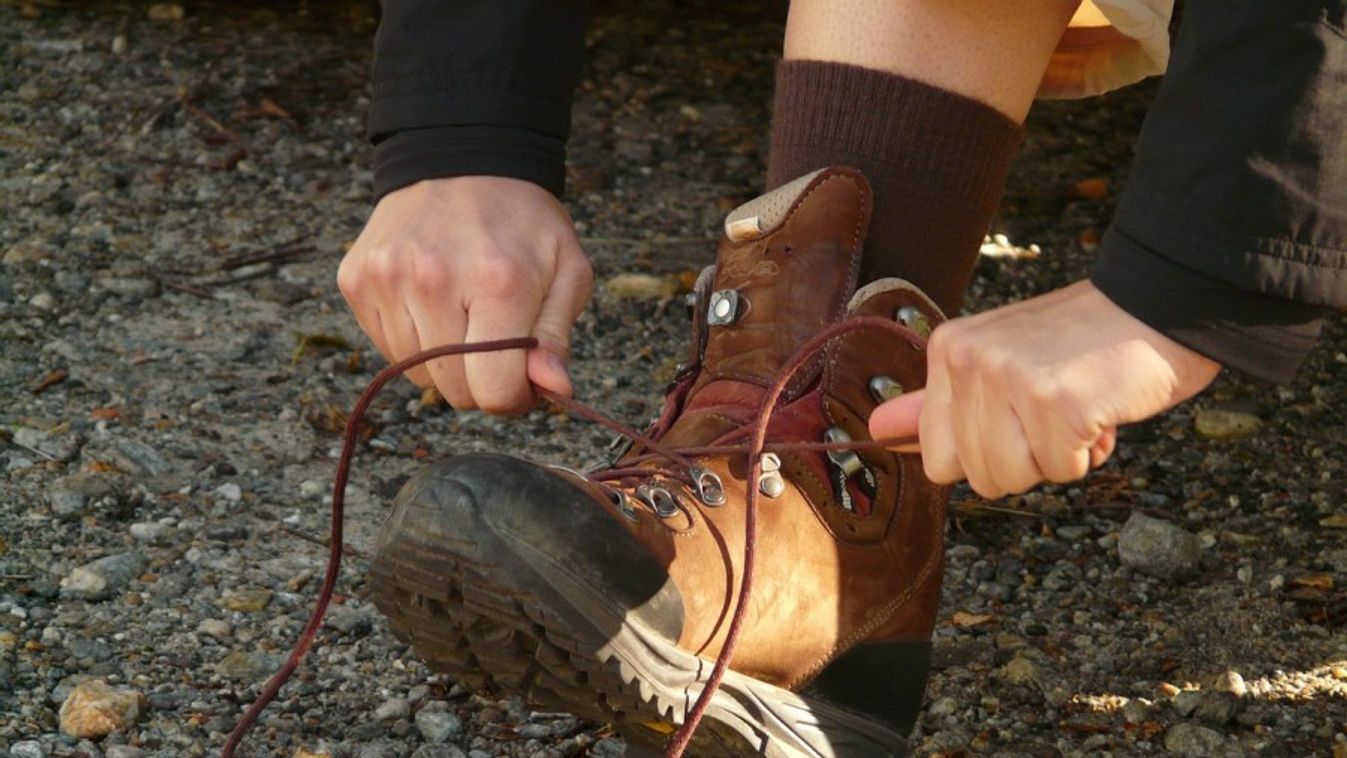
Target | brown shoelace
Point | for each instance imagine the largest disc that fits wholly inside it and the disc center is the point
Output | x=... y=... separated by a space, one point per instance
x=754 y=449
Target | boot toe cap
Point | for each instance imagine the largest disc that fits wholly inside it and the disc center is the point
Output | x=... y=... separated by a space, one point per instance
x=534 y=527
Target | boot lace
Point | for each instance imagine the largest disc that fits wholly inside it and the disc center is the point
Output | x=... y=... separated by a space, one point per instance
x=654 y=459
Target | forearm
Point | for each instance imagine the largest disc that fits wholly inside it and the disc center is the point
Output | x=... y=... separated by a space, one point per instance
x=474 y=87
x=1232 y=235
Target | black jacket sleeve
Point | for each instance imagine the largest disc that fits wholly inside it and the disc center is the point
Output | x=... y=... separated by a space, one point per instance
x=474 y=87
x=1231 y=236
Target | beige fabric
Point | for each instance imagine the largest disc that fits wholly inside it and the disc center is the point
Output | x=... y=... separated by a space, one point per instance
x=762 y=215
x=1110 y=44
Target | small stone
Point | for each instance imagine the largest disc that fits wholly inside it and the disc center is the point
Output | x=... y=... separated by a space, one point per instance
x=1217 y=424
x=246 y=601
x=1244 y=574
x=230 y=491
x=150 y=531
x=30 y=250
x=166 y=12
x=634 y=286
x=1186 y=702
x=437 y=723
x=27 y=749
x=1158 y=548
x=123 y=751
x=43 y=301
x=1057 y=697
x=220 y=630
x=1074 y=532
x=1231 y=681
x=245 y=666
x=1339 y=673
x=442 y=751
x=1136 y=711
x=1167 y=690
x=353 y=621
x=93 y=709
x=132 y=456
x=303 y=752
x=70 y=495
x=135 y=288
x=282 y=292
x=945 y=706
x=1218 y=708
x=1189 y=739
x=1008 y=641
x=393 y=709
x=103 y=578
x=1021 y=671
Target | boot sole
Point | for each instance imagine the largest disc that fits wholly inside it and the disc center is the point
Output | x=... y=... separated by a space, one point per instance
x=500 y=626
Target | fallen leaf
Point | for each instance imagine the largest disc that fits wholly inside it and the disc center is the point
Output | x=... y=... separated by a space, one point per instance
x=53 y=377
x=1315 y=581
x=965 y=619
x=1090 y=189
x=642 y=287
x=1336 y=521
x=106 y=414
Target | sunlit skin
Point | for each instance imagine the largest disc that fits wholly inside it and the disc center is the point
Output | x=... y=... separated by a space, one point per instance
x=1034 y=392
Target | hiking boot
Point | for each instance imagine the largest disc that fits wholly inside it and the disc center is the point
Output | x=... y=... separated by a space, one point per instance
x=609 y=594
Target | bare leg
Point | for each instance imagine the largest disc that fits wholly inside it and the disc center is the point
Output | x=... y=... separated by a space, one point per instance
x=926 y=98
x=993 y=51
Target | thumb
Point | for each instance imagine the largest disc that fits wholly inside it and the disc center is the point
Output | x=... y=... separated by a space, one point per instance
x=563 y=303
x=898 y=417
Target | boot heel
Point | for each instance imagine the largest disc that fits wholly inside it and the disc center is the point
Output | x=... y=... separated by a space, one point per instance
x=882 y=680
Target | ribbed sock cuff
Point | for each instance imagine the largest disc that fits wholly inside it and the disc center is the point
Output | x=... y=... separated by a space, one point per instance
x=936 y=160
x=824 y=108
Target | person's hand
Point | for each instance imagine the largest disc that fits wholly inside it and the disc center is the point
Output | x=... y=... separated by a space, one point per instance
x=1034 y=391
x=468 y=259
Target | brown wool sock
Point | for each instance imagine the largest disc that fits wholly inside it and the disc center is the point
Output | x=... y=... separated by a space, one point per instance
x=937 y=162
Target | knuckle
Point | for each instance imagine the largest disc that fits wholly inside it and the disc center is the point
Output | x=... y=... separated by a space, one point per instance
x=500 y=275
x=387 y=265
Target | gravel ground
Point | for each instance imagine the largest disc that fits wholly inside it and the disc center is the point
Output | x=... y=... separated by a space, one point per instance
x=175 y=195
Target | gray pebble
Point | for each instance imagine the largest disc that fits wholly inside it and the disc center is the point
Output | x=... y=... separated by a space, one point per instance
x=1191 y=739
x=246 y=666
x=1185 y=703
x=69 y=496
x=28 y=749
x=123 y=751
x=104 y=577
x=392 y=709
x=439 y=751
x=1218 y=708
x=437 y=723
x=1158 y=548
x=132 y=456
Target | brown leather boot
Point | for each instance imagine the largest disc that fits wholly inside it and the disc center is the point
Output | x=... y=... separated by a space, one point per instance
x=609 y=594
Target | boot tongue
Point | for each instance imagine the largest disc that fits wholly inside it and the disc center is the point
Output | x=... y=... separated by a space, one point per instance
x=785 y=269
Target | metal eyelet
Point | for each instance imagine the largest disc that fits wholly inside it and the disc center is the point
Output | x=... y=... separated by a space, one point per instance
x=846 y=460
x=845 y=465
x=708 y=486
x=884 y=388
x=724 y=308
x=622 y=501
x=660 y=500
x=914 y=319
x=770 y=482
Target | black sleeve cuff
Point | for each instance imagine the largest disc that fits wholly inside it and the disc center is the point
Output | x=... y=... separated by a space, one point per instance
x=1265 y=337
x=411 y=155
